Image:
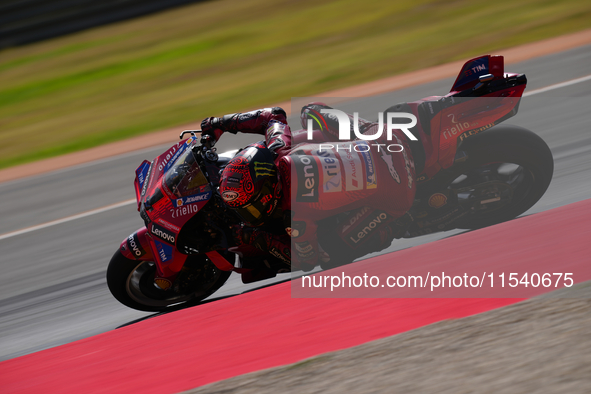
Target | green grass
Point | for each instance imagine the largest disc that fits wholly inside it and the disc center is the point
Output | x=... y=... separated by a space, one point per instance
x=223 y=56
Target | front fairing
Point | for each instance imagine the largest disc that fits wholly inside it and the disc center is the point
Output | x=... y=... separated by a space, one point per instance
x=173 y=190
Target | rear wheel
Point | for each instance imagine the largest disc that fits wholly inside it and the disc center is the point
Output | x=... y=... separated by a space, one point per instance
x=507 y=170
x=132 y=283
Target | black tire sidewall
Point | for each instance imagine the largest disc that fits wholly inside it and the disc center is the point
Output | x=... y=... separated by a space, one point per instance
x=118 y=271
x=509 y=144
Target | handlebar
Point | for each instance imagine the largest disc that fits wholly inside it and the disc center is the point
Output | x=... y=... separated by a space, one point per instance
x=192 y=132
x=206 y=141
x=206 y=149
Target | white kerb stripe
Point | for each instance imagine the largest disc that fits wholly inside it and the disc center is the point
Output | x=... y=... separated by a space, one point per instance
x=558 y=85
x=67 y=219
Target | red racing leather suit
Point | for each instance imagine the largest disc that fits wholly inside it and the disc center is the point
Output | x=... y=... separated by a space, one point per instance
x=327 y=179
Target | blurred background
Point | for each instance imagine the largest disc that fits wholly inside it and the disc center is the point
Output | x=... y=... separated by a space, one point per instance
x=80 y=73
x=75 y=74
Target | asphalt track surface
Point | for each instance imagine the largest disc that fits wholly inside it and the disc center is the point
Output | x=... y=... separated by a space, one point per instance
x=54 y=290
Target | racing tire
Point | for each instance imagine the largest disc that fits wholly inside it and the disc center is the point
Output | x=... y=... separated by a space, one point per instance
x=131 y=282
x=513 y=146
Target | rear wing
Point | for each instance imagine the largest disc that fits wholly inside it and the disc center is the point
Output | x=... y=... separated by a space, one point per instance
x=475 y=68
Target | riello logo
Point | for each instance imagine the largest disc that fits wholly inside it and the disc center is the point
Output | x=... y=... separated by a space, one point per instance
x=345 y=130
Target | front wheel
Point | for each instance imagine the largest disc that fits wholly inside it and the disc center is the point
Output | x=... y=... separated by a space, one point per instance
x=132 y=283
x=507 y=170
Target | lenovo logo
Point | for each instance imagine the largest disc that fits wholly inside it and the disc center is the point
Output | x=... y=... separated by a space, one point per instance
x=163 y=234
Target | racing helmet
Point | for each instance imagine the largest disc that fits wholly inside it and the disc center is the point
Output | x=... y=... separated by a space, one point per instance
x=250 y=185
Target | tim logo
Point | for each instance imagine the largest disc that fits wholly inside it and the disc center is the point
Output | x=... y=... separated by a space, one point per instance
x=475 y=70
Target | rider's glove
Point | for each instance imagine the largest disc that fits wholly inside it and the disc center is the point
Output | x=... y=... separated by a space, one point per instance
x=212 y=127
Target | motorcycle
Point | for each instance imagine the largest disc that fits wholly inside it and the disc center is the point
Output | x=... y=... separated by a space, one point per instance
x=470 y=173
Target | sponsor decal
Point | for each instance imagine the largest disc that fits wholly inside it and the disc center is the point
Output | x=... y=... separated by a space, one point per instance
x=264 y=169
x=164 y=251
x=246 y=116
x=134 y=245
x=184 y=210
x=166 y=158
x=163 y=283
x=145 y=187
x=303 y=247
x=162 y=233
x=371 y=181
x=168 y=225
x=307 y=176
x=234 y=179
x=230 y=195
x=475 y=69
x=459 y=127
x=437 y=200
x=355 y=218
x=368 y=226
x=304 y=250
x=353 y=172
x=475 y=131
x=192 y=199
x=390 y=163
x=472 y=70
x=273 y=251
x=142 y=173
x=331 y=171
x=171 y=156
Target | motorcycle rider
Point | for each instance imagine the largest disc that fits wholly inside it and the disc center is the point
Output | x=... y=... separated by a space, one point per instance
x=257 y=184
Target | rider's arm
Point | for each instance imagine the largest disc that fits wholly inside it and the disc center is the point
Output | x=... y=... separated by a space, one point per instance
x=270 y=122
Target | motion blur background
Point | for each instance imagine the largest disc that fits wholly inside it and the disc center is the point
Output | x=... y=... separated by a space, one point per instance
x=76 y=74
x=130 y=77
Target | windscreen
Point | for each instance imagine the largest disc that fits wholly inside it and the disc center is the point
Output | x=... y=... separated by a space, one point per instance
x=185 y=178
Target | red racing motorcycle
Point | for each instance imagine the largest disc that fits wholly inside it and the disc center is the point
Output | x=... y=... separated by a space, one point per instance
x=471 y=173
